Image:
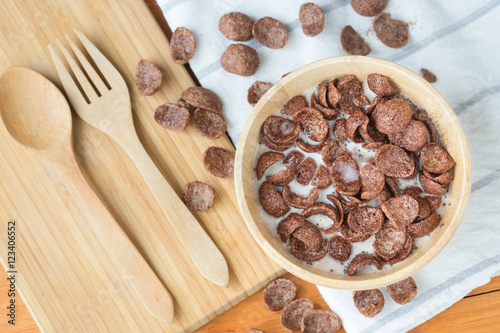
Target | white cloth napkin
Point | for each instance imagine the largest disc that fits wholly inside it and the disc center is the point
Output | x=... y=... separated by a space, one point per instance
x=456 y=40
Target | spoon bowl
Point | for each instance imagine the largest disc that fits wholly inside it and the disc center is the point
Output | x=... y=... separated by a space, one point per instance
x=26 y=115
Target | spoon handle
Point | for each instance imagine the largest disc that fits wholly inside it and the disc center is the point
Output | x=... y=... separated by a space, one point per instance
x=149 y=288
x=202 y=250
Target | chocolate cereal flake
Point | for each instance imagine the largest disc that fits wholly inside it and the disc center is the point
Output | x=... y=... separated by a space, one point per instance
x=338 y=205
x=312 y=19
x=327 y=210
x=172 y=117
x=339 y=129
x=275 y=146
x=148 y=78
x=312 y=123
x=370 y=133
x=320 y=321
x=412 y=137
x=392 y=116
x=369 y=7
x=361 y=100
x=302 y=252
x=332 y=151
x=430 y=186
x=328 y=113
x=391 y=32
x=322 y=178
x=389 y=240
x=306 y=171
x=428 y=75
x=272 y=201
x=352 y=42
x=236 y=26
x=280 y=130
x=240 y=59
x=292 y=314
x=199 y=97
x=366 y=220
x=182 y=45
x=310 y=235
x=435 y=159
x=345 y=175
x=356 y=119
x=435 y=202
x=401 y=210
x=424 y=208
x=256 y=91
x=404 y=291
x=424 y=227
x=198 y=196
x=360 y=260
x=321 y=89
x=443 y=178
x=279 y=293
x=295 y=104
x=294 y=158
x=394 y=161
x=372 y=181
x=403 y=254
x=412 y=191
x=209 y=124
x=310 y=148
x=288 y=225
x=297 y=201
x=368 y=302
x=333 y=94
x=351 y=235
x=380 y=85
x=340 y=249
x=219 y=162
x=270 y=32
x=283 y=177
x=266 y=160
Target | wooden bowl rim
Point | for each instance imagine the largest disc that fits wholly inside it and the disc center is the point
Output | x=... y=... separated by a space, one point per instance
x=386 y=276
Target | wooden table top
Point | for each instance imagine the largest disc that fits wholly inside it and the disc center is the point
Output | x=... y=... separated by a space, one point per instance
x=479 y=311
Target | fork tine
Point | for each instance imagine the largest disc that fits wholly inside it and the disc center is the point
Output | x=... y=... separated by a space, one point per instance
x=82 y=79
x=114 y=78
x=94 y=77
x=73 y=93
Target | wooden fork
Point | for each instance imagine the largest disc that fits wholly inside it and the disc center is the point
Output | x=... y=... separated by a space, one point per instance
x=111 y=113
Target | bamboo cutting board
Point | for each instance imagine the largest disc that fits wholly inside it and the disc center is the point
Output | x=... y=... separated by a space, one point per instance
x=65 y=275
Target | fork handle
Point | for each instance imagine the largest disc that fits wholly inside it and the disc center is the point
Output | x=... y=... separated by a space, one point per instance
x=202 y=250
x=149 y=288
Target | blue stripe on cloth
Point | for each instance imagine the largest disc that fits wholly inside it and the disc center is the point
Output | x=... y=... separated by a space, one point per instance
x=433 y=292
x=444 y=32
x=476 y=98
x=214 y=66
x=485 y=181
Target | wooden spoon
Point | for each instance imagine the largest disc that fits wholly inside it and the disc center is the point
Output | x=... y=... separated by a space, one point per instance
x=37 y=115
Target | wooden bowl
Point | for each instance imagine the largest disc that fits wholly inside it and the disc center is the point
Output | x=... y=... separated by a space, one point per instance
x=409 y=84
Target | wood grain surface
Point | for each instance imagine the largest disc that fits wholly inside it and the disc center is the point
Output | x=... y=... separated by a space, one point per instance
x=69 y=280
